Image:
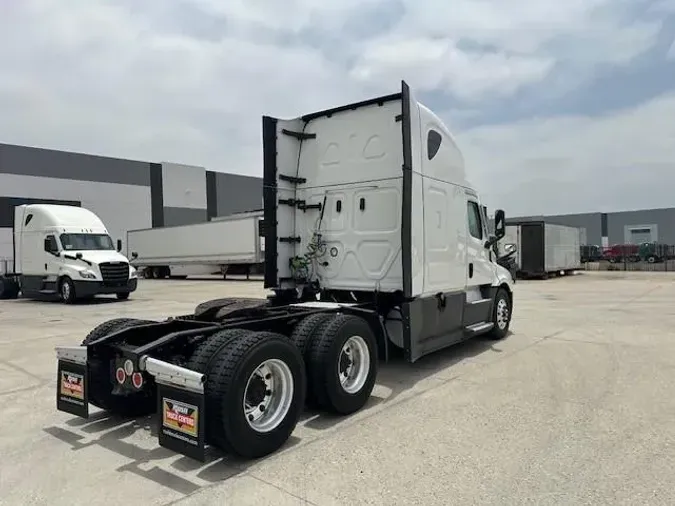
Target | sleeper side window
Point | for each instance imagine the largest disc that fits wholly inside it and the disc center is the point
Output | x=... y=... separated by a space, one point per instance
x=475 y=225
x=433 y=143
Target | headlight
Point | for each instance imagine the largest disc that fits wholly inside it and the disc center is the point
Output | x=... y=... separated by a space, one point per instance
x=132 y=272
x=87 y=274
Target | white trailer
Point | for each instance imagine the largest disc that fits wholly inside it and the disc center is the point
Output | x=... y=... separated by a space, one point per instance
x=226 y=244
x=544 y=248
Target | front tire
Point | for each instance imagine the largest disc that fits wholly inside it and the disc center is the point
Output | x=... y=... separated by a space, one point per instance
x=67 y=290
x=501 y=315
x=343 y=363
x=256 y=393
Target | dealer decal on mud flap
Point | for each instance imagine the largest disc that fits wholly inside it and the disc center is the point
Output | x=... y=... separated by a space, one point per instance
x=72 y=396
x=181 y=421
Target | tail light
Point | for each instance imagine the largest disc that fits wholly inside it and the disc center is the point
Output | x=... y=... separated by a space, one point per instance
x=137 y=380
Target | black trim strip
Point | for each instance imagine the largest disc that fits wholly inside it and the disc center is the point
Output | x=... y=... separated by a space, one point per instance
x=157 y=195
x=350 y=107
x=298 y=135
x=292 y=179
x=269 y=134
x=211 y=195
x=406 y=218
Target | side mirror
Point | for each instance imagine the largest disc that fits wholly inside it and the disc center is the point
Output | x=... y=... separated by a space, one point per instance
x=500 y=229
x=500 y=224
x=78 y=256
x=119 y=245
x=509 y=248
x=134 y=255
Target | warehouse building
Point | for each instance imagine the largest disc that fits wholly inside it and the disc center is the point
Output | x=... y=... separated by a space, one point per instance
x=125 y=194
x=623 y=227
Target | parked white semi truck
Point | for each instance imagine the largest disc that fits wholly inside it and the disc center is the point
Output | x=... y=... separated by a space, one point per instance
x=65 y=252
x=226 y=244
x=374 y=239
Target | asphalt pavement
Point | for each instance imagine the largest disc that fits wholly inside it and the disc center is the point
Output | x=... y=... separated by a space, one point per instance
x=576 y=406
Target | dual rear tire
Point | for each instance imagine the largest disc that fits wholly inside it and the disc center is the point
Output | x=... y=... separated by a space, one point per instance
x=340 y=353
x=257 y=383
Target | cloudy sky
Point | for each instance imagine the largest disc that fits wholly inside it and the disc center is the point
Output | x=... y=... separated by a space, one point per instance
x=558 y=106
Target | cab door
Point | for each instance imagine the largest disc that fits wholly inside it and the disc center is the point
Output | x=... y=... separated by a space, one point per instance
x=480 y=269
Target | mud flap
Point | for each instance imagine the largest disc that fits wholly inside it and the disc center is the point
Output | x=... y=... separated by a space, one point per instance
x=180 y=398
x=72 y=395
x=181 y=421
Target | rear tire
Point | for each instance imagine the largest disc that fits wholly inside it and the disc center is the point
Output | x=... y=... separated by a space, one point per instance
x=302 y=336
x=123 y=295
x=100 y=381
x=343 y=363
x=201 y=361
x=277 y=398
x=305 y=331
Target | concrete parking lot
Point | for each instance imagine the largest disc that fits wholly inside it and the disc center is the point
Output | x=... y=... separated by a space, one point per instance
x=576 y=406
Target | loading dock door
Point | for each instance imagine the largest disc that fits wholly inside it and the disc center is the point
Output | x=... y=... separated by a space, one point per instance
x=640 y=235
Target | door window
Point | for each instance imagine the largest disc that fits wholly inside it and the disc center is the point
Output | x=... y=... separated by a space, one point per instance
x=50 y=244
x=475 y=223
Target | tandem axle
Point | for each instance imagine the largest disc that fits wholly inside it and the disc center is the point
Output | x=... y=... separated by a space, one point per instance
x=140 y=367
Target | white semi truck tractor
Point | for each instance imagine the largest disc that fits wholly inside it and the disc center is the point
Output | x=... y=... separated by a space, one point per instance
x=375 y=239
x=64 y=252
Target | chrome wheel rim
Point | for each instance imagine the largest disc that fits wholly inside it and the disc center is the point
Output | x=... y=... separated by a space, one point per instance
x=268 y=395
x=354 y=364
x=502 y=314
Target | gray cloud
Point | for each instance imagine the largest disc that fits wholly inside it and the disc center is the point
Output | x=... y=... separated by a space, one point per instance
x=188 y=80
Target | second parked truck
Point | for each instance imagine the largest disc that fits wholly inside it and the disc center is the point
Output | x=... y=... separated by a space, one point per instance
x=374 y=239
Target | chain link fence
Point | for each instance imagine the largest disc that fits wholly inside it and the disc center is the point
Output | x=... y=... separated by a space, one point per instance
x=646 y=257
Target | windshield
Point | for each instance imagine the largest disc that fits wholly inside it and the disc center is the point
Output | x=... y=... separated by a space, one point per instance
x=86 y=242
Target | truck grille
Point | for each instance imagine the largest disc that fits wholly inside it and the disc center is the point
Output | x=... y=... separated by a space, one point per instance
x=115 y=274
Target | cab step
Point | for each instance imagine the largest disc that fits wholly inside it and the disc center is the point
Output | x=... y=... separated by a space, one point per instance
x=478 y=328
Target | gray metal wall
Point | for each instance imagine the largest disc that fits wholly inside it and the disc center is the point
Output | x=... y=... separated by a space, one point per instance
x=184 y=194
x=616 y=227
x=237 y=194
x=660 y=221
x=118 y=191
x=125 y=194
